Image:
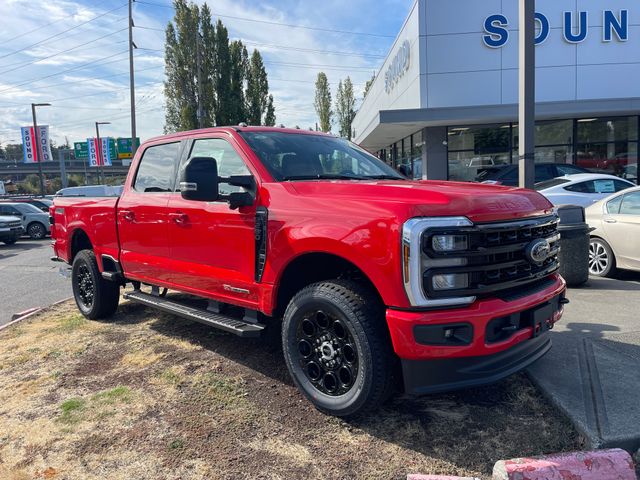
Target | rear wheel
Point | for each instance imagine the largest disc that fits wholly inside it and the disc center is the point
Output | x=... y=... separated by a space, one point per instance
x=96 y=297
x=337 y=348
x=36 y=231
x=602 y=261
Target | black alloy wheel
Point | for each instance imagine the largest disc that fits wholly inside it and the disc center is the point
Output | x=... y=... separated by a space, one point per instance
x=337 y=347
x=95 y=297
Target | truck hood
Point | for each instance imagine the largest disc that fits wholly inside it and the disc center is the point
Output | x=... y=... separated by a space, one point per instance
x=407 y=199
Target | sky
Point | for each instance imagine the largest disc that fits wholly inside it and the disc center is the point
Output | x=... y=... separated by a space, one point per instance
x=74 y=55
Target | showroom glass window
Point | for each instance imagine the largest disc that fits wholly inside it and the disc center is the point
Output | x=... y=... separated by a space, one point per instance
x=554 y=141
x=608 y=145
x=476 y=148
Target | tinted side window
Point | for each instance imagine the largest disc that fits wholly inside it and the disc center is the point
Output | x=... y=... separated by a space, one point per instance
x=229 y=162
x=582 y=187
x=9 y=210
x=156 y=170
x=619 y=186
x=630 y=204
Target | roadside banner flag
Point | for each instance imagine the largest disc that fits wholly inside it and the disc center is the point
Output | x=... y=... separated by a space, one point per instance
x=99 y=157
x=29 y=144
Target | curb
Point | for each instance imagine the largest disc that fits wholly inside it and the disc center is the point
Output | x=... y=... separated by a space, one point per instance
x=437 y=477
x=18 y=317
x=613 y=464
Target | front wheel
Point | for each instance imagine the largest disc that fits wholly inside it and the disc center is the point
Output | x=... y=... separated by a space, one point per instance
x=337 y=348
x=36 y=231
x=602 y=262
x=96 y=297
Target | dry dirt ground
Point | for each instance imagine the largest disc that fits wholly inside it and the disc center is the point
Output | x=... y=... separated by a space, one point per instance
x=150 y=396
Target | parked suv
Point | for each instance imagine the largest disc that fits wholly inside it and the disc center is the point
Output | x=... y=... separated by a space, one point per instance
x=10 y=229
x=34 y=220
x=374 y=280
x=41 y=203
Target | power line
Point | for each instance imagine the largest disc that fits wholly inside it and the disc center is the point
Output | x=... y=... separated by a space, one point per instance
x=290 y=25
x=62 y=51
x=64 y=71
x=64 y=31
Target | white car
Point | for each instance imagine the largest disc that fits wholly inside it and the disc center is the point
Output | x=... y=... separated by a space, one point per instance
x=614 y=241
x=582 y=189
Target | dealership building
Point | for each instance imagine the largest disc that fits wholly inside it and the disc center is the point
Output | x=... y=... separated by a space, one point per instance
x=444 y=104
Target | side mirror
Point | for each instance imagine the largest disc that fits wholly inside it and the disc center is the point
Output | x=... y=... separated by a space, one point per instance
x=199 y=180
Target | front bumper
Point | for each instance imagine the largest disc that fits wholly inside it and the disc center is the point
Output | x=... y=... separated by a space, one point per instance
x=11 y=232
x=476 y=355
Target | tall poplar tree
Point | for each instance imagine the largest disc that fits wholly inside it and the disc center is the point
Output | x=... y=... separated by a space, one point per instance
x=222 y=75
x=257 y=89
x=345 y=107
x=322 y=102
x=270 y=114
x=209 y=66
x=238 y=75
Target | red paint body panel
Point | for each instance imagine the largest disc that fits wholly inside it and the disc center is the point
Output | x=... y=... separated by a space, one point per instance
x=209 y=250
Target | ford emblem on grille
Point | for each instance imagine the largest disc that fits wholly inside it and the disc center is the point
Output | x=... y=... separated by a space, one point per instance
x=538 y=251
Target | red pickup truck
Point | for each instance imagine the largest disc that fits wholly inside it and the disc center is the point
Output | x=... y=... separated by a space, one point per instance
x=377 y=282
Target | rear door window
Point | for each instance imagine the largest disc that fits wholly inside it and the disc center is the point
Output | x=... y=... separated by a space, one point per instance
x=630 y=204
x=157 y=168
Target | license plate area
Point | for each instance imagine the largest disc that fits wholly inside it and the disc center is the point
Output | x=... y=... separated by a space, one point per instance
x=542 y=317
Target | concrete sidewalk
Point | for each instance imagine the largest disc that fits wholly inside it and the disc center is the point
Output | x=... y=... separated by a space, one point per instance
x=592 y=372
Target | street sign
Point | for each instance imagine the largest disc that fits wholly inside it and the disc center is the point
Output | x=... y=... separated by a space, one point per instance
x=28 y=144
x=107 y=155
x=81 y=150
x=124 y=147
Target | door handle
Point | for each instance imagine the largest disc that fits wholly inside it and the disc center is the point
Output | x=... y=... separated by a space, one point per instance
x=128 y=215
x=179 y=218
x=610 y=220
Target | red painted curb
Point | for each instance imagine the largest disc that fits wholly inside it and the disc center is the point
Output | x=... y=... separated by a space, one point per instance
x=614 y=464
x=437 y=477
x=15 y=316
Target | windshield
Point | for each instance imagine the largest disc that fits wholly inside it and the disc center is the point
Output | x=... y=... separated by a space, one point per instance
x=298 y=156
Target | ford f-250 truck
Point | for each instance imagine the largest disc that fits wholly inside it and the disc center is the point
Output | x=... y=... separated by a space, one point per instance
x=379 y=282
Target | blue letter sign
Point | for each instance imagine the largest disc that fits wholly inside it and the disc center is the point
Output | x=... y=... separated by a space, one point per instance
x=544 y=28
x=569 y=36
x=496 y=27
x=611 y=23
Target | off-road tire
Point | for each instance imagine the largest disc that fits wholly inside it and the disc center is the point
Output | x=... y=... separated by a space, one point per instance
x=105 y=294
x=605 y=265
x=362 y=313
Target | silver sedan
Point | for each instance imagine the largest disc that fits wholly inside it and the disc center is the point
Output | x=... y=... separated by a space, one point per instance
x=615 y=242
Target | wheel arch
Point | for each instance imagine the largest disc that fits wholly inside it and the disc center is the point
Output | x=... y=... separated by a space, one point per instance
x=312 y=267
x=79 y=241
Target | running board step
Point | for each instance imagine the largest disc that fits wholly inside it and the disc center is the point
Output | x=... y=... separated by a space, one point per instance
x=228 y=324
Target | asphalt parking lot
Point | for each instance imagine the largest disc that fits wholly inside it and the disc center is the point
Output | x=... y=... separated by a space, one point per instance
x=29 y=278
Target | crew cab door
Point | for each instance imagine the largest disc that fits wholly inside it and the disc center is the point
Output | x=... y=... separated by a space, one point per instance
x=143 y=214
x=622 y=226
x=212 y=247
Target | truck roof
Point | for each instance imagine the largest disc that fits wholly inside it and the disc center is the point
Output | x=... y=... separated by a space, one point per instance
x=237 y=128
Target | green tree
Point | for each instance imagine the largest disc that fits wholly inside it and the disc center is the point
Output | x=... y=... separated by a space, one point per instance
x=270 y=115
x=322 y=102
x=222 y=76
x=208 y=59
x=239 y=69
x=345 y=107
x=257 y=89
x=180 y=86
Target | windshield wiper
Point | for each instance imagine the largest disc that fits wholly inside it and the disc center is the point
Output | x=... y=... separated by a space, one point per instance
x=385 y=177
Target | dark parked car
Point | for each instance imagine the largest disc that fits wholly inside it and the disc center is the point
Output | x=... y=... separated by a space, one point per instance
x=508 y=175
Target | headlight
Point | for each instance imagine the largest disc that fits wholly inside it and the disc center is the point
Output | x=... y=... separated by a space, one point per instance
x=3 y=224
x=449 y=243
x=450 y=281
x=436 y=235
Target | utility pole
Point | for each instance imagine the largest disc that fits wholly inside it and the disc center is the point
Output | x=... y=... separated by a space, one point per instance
x=38 y=144
x=132 y=90
x=200 y=113
x=527 y=103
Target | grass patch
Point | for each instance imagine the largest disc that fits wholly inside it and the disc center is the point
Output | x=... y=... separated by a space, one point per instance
x=170 y=376
x=72 y=410
x=222 y=390
x=71 y=323
x=111 y=397
x=177 y=444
